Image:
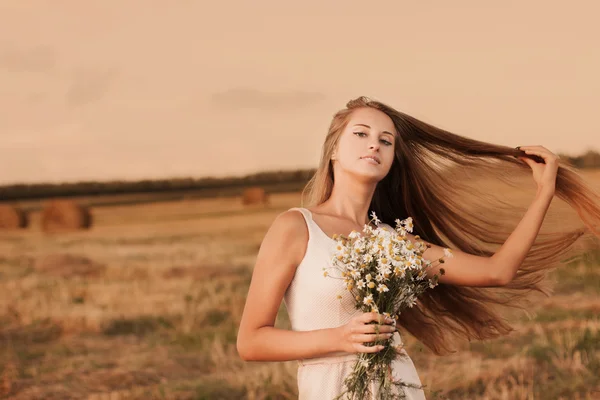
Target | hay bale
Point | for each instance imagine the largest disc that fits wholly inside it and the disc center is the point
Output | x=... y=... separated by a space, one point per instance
x=65 y=215
x=255 y=195
x=12 y=217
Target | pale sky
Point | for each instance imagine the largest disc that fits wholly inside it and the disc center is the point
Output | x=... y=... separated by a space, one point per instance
x=104 y=90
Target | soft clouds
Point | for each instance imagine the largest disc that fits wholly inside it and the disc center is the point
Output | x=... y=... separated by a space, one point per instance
x=244 y=98
x=34 y=59
x=99 y=92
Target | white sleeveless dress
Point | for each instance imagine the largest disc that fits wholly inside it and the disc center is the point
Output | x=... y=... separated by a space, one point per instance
x=312 y=303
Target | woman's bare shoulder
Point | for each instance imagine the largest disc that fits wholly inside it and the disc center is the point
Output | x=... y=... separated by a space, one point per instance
x=288 y=234
x=290 y=222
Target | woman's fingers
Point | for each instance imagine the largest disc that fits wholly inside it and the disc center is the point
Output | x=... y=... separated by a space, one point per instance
x=373 y=316
x=368 y=338
x=527 y=161
x=372 y=328
x=368 y=349
x=363 y=331
x=539 y=151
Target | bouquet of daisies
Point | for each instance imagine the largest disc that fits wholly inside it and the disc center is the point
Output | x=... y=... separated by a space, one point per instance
x=385 y=273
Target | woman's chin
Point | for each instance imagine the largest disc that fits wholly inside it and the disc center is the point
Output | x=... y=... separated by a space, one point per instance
x=369 y=176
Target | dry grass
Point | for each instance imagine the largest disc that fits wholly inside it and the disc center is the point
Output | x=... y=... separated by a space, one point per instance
x=146 y=306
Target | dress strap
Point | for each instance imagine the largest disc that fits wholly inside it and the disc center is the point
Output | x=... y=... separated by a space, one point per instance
x=314 y=230
x=305 y=213
x=307 y=218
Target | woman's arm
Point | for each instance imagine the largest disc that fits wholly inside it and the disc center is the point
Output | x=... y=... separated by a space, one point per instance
x=280 y=253
x=465 y=269
x=469 y=270
x=510 y=256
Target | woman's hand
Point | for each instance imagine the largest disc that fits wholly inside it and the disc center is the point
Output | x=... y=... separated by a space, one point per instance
x=358 y=331
x=544 y=174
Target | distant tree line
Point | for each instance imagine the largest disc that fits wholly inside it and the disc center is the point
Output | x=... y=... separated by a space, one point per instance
x=48 y=190
x=590 y=159
x=275 y=179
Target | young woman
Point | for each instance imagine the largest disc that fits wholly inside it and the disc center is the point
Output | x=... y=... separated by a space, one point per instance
x=378 y=159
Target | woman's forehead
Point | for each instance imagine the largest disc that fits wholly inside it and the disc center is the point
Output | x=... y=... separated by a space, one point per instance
x=372 y=119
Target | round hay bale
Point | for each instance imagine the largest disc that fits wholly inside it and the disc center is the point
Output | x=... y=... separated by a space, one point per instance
x=12 y=217
x=65 y=215
x=255 y=195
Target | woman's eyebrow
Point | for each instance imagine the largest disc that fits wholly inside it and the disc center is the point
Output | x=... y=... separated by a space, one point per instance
x=367 y=126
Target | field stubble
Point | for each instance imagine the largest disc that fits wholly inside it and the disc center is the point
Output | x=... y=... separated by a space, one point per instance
x=146 y=305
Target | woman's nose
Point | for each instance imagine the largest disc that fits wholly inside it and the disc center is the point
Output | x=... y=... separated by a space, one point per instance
x=374 y=146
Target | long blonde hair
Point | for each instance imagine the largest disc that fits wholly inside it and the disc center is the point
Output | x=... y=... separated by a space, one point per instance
x=427 y=181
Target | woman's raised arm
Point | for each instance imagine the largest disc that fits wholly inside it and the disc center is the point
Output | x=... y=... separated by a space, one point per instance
x=469 y=270
x=463 y=269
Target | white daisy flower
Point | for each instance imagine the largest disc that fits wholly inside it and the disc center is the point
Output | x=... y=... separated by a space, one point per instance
x=408 y=224
x=382 y=288
x=412 y=301
x=354 y=235
x=355 y=274
x=374 y=218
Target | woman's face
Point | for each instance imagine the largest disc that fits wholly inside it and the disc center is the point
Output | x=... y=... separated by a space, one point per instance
x=366 y=146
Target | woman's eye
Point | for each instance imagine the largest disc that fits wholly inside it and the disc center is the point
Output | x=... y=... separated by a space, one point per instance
x=362 y=134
